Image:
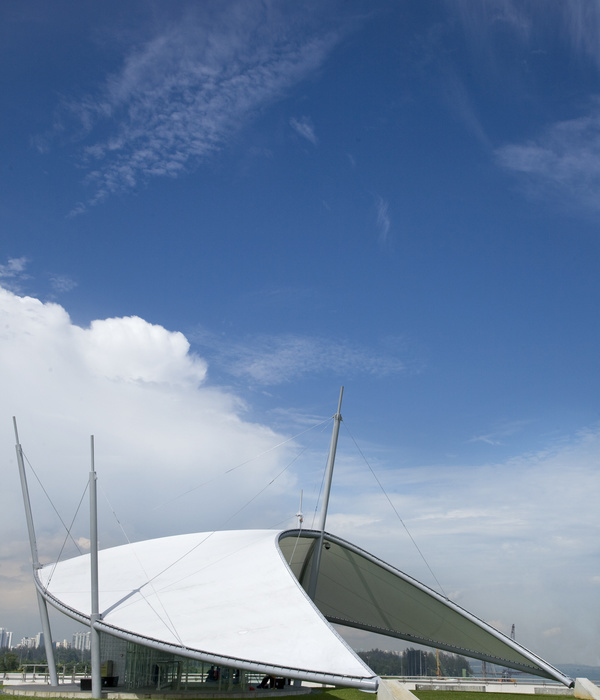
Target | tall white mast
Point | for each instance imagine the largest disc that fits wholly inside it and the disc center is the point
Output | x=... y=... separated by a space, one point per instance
x=36 y=563
x=318 y=546
x=94 y=634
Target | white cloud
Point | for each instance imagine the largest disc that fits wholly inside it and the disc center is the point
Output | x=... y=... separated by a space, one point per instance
x=160 y=432
x=515 y=542
x=132 y=349
x=274 y=360
x=13 y=273
x=564 y=160
x=305 y=128
x=502 y=431
x=181 y=95
x=62 y=283
x=561 y=161
x=580 y=20
x=460 y=102
x=480 y=19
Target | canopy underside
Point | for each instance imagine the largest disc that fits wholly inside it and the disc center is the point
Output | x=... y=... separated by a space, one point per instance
x=358 y=590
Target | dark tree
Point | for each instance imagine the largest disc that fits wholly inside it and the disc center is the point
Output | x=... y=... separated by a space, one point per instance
x=9 y=661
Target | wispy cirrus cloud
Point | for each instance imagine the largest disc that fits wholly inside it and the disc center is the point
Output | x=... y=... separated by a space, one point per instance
x=580 y=20
x=13 y=273
x=180 y=96
x=573 y=22
x=383 y=219
x=276 y=359
x=499 y=433
x=481 y=18
x=564 y=160
x=305 y=128
x=62 y=283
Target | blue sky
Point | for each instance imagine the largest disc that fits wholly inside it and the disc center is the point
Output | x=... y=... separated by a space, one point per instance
x=215 y=214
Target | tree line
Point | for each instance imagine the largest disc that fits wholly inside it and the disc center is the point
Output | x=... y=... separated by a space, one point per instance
x=70 y=659
x=415 y=662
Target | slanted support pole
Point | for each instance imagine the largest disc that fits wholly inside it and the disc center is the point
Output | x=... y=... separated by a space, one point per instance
x=318 y=546
x=95 y=615
x=43 y=608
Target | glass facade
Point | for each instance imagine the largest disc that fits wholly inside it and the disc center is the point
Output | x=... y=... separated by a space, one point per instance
x=113 y=655
x=160 y=670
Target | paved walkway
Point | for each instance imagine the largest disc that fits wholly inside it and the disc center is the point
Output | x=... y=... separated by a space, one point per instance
x=73 y=690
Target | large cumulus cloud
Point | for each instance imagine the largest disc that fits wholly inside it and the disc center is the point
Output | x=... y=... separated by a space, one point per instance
x=173 y=453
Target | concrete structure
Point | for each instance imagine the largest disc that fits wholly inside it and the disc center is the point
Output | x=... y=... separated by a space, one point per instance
x=394 y=690
x=401 y=689
x=586 y=690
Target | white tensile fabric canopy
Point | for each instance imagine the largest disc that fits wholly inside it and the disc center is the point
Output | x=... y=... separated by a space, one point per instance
x=236 y=598
x=223 y=597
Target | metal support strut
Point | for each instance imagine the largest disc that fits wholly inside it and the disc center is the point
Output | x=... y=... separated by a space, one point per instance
x=95 y=615
x=45 y=620
x=318 y=546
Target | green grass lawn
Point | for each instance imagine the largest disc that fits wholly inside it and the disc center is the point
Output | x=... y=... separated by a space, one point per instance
x=341 y=694
x=353 y=694
x=468 y=695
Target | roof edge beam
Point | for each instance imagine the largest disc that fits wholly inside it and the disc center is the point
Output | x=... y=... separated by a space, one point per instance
x=550 y=672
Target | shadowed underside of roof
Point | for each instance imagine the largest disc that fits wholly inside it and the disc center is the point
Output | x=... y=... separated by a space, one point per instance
x=355 y=589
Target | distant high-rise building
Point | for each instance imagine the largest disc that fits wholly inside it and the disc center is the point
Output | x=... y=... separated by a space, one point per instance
x=28 y=642
x=62 y=645
x=81 y=641
x=5 y=638
x=39 y=640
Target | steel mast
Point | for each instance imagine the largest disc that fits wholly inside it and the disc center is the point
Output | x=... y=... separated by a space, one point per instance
x=95 y=609
x=318 y=546
x=36 y=563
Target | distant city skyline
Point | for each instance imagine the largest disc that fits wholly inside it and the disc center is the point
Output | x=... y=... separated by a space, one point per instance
x=79 y=641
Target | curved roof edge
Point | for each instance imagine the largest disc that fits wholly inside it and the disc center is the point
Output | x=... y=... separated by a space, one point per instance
x=536 y=665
